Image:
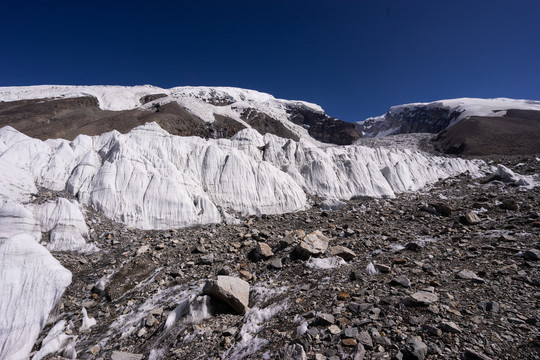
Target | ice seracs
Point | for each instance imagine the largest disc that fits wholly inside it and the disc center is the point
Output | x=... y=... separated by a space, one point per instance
x=32 y=283
x=151 y=179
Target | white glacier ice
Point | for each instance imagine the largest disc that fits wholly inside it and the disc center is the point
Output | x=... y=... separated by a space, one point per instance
x=87 y=322
x=16 y=219
x=62 y=218
x=32 y=283
x=151 y=179
x=65 y=221
x=55 y=341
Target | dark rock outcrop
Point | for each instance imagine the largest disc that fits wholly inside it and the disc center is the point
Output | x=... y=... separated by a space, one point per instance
x=516 y=133
x=406 y=119
x=323 y=127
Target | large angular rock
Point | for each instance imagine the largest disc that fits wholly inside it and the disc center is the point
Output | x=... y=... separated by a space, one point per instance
x=232 y=291
x=470 y=219
x=470 y=275
x=343 y=252
x=314 y=244
x=414 y=349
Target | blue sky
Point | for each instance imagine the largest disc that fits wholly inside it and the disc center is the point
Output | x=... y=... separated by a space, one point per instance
x=354 y=58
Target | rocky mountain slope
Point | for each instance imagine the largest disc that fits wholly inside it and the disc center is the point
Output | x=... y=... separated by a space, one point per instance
x=250 y=238
x=210 y=112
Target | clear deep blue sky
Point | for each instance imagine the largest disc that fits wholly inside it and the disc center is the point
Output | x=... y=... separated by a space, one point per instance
x=354 y=58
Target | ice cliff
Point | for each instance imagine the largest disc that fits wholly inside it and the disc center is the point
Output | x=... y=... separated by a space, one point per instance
x=150 y=179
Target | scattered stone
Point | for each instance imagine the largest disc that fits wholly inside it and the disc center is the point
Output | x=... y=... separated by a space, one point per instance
x=412 y=246
x=122 y=355
x=431 y=330
x=349 y=342
x=233 y=291
x=469 y=275
x=470 y=354
x=232 y=331
x=343 y=296
x=351 y=332
x=324 y=319
x=334 y=329
x=359 y=352
x=491 y=306
x=143 y=249
x=287 y=241
x=531 y=255
x=365 y=339
x=414 y=349
x=509 y=204
x=207 y=259
x=226 y=270
x=443 y=210
x=275 y=264
x=450 y=327
x=401 y=280
x=382 y=268
x=470 y=218
x=245 y=275
x=343 y=252
x=355 y=275
x=422 y=298
x=262 y=251
x=359 y=308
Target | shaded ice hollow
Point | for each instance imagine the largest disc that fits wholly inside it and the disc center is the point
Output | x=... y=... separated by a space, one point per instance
x=64 y=220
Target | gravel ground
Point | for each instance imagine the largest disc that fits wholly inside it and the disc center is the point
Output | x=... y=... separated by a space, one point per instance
x=450 y=272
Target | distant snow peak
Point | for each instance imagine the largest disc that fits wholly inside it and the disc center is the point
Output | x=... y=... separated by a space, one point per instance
x=436 y=116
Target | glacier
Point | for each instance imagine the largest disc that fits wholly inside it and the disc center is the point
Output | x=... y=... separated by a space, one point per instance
x=150 y=179
x=32 y=283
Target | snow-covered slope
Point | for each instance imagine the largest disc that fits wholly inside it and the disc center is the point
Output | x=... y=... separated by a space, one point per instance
x=436 y=116
x=153 y=180
x=202 y=102
x=32 y=283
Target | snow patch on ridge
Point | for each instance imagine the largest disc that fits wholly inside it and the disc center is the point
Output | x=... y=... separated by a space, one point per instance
x=203 y=102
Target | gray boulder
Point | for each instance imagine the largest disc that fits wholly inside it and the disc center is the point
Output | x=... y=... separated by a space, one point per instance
x=232 y=291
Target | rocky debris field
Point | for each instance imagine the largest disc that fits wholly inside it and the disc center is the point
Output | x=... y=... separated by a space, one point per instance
x=451 y=272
